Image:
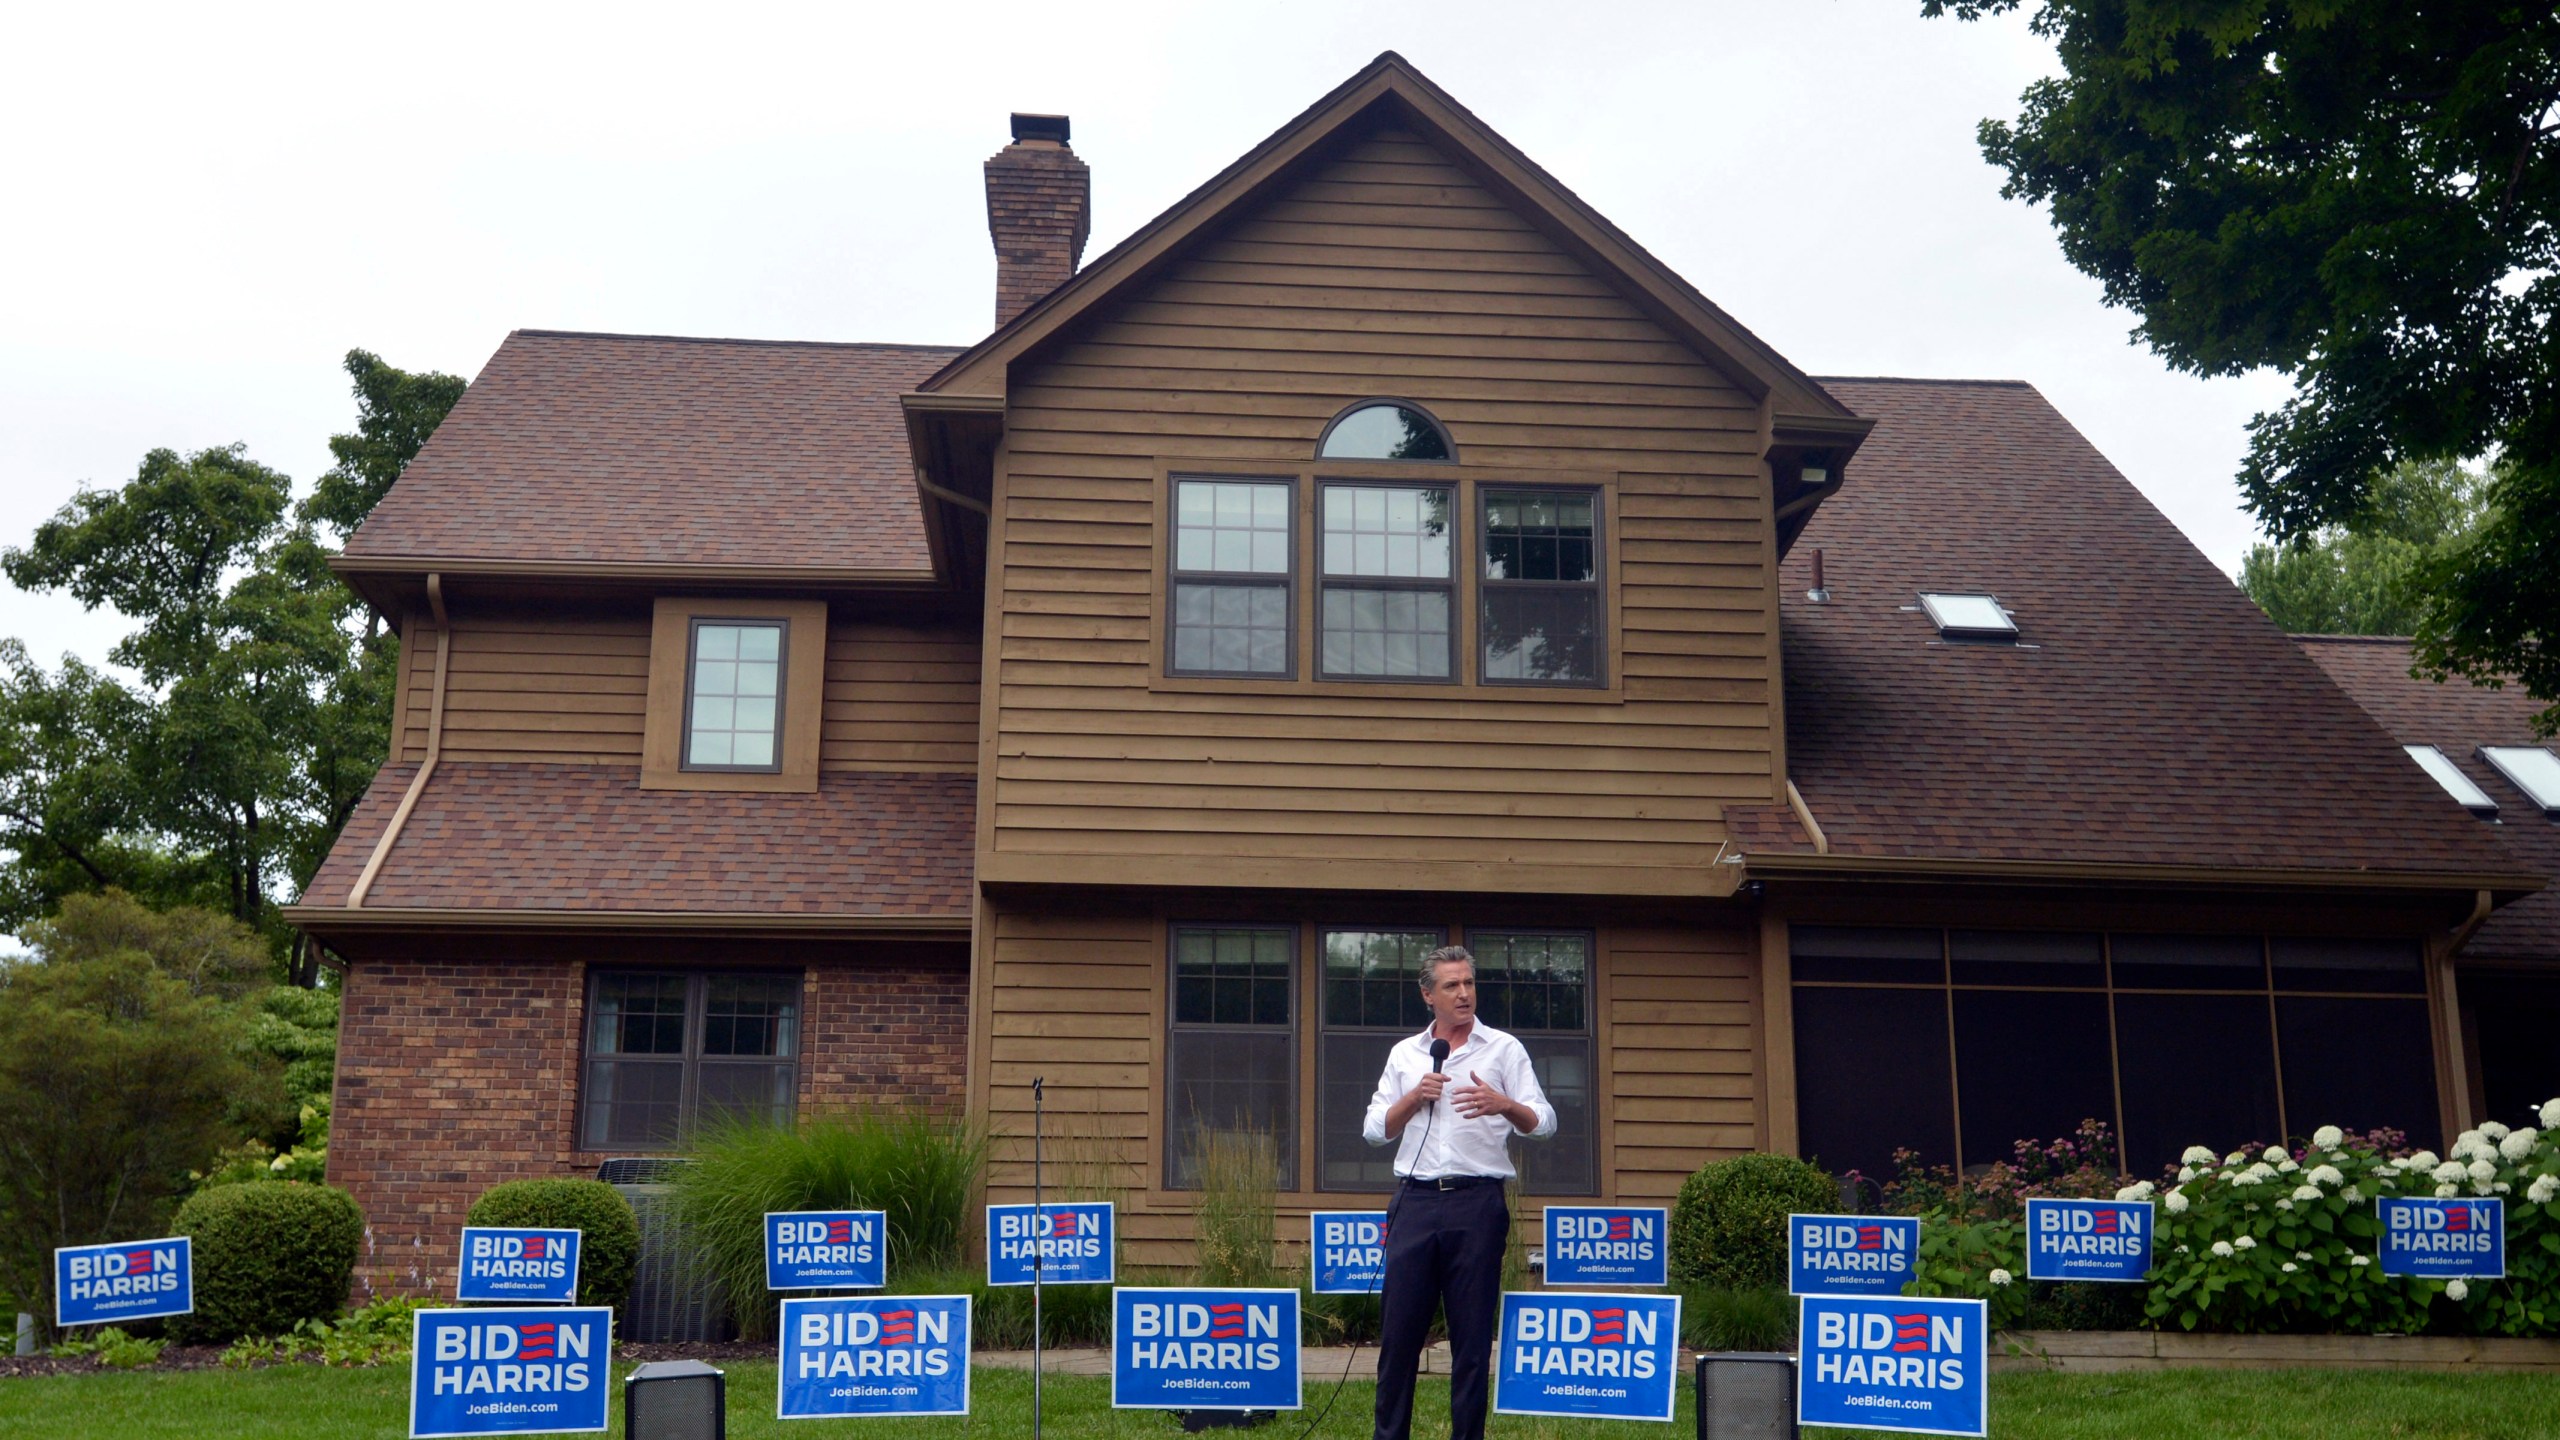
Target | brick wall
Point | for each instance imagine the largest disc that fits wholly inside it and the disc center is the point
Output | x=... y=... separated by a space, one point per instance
x=457 y=1074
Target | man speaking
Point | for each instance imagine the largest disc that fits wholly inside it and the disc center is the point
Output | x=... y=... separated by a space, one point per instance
x=1452 y=1096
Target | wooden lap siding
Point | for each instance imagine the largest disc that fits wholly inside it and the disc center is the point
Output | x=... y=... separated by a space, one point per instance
x=1388 y=273
x=1075 y=995
x=572 y=688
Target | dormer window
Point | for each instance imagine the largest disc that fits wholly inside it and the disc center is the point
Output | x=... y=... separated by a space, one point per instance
x=1385 y=430
x=1968 y=617
x=733 y=695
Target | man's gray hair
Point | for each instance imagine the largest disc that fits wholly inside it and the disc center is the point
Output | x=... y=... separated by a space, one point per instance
x=1429 y=973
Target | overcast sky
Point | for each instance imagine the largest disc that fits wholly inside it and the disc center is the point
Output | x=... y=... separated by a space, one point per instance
x=205 y=209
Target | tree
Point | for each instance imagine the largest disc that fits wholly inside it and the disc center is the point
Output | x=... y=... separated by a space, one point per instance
x=2368 y=577
x=2359 y=194
x=125 y=1063
x=264 y=702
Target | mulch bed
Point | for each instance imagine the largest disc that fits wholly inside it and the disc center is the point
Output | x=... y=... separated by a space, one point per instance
x=209 y=1357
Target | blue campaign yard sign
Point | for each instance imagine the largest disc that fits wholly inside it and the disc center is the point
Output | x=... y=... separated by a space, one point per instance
x=1348 y=1254
x=1850 y=1254
x=2444 y=1239
x=128 y=1280
x=1202 y=1349
x=2088 y=1239
x=517 y=1371
x=1921 y=1366
x=1607 y=1245
x=1594 y=1356
x=1075 y=1240
x=529 y=1267
x=826 y=1250
x=874 y=1355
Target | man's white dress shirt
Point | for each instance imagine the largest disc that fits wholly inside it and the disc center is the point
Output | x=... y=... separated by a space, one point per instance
x=1437 y=1141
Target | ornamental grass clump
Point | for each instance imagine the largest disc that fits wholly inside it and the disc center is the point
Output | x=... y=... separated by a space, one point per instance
x=2279 y=1240
x=920 y=1167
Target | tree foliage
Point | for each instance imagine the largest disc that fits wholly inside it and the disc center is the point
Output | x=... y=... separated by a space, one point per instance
x=263 y=701
x=125 y=1063
x=2368 y=577
x=2359 y=194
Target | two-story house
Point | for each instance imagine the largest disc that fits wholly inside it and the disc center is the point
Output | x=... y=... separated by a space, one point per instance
x=1378 y=549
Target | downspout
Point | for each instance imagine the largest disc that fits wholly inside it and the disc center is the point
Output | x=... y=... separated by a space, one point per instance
x=2454 y=1080
x=427 y=767
x=1804 y=817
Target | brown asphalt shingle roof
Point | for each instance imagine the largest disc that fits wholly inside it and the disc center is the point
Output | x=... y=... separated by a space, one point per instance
x=648 y=450
x=540 y=837
x=2152 y=714
x=2458 y=718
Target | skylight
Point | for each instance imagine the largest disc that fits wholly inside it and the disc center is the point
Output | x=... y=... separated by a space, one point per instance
x=2456 y=784
x=2532 y=769
x=1968 y=617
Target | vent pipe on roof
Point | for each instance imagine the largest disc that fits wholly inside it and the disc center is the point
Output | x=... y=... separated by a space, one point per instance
x=1820 y=592
x=1039 y=209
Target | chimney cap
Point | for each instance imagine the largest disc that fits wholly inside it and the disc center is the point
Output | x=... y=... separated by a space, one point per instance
x=1039 y=127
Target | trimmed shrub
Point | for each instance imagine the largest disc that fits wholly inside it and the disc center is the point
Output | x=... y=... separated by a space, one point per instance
x=1729 y=1231
x=609 y=1239
x=268 y=1255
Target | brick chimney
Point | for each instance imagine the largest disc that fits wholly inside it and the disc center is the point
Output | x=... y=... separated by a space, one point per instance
x=1039 y=207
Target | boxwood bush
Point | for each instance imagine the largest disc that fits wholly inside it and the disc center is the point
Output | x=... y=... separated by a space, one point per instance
x=609 y=1241
x=268 y=1255
x=1730 y=1228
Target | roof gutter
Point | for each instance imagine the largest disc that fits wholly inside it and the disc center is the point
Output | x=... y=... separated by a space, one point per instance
x=334 y=919
x=1775 y=865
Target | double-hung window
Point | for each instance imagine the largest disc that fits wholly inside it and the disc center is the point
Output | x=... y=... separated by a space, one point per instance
x=1541 y=604
x=1370 y=1002
x=733 y=695
x=666 y=1051
x=1234 y=557
x=1388 y=578
x=1231 y=1071
x=1537 y=985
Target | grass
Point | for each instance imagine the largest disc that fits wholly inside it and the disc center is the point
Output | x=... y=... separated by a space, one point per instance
x=298 y=1401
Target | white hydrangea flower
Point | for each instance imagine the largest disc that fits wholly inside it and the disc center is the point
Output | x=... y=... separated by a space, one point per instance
x=2456 y=1290
x=2244 y=1243
x=2492 y=1130
x=2465 y=1143
x=2258 y=1174
x=2549 y=1114
x=2301 y=1254
x=2447 y=1192
x=2197 y=1155
x=2423 y=1160
x=2339 y=1157
x=2236 y=1156
x=2502 y=1187
x=2287 y=1167
x=2306 y=1192
x=2177 y=1202
x=2252 y=1207
x=2274 y=1152
x=2222 y=1249
x=2359 y=1259
x=2519 y=1143
x=2186 y=1174
x=2326 y=1175
x=2284 y=1204
x=2138 y=1190
x=2449 y=1170
x=2543 y=1188
x=2000 y=1277
x=2289 y=1267
x=2182 y=1249
x=2328 y=1137
x=2481 y=1172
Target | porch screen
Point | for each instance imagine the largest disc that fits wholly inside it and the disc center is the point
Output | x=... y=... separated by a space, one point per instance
x=666 y=1050
x=1957 y=1044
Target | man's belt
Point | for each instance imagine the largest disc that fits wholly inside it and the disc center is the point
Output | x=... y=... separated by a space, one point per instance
x=1452 y=1182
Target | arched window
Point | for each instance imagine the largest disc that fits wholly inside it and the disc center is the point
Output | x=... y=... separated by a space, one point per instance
x=1385 y=430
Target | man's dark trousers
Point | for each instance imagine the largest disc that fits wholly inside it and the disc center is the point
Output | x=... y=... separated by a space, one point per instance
x=1444 y=1249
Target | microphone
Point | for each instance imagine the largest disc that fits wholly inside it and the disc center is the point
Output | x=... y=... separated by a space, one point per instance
x=1439 y=1052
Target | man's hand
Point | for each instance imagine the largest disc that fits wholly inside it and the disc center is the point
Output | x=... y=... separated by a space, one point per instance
x=1424 y=1094
x=1479 y=1099
x=1426 y=1091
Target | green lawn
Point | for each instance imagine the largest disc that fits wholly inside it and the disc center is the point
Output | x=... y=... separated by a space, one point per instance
x=303 y=1401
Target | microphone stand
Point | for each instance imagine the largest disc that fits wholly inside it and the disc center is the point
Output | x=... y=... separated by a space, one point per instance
x=1039 y=1254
